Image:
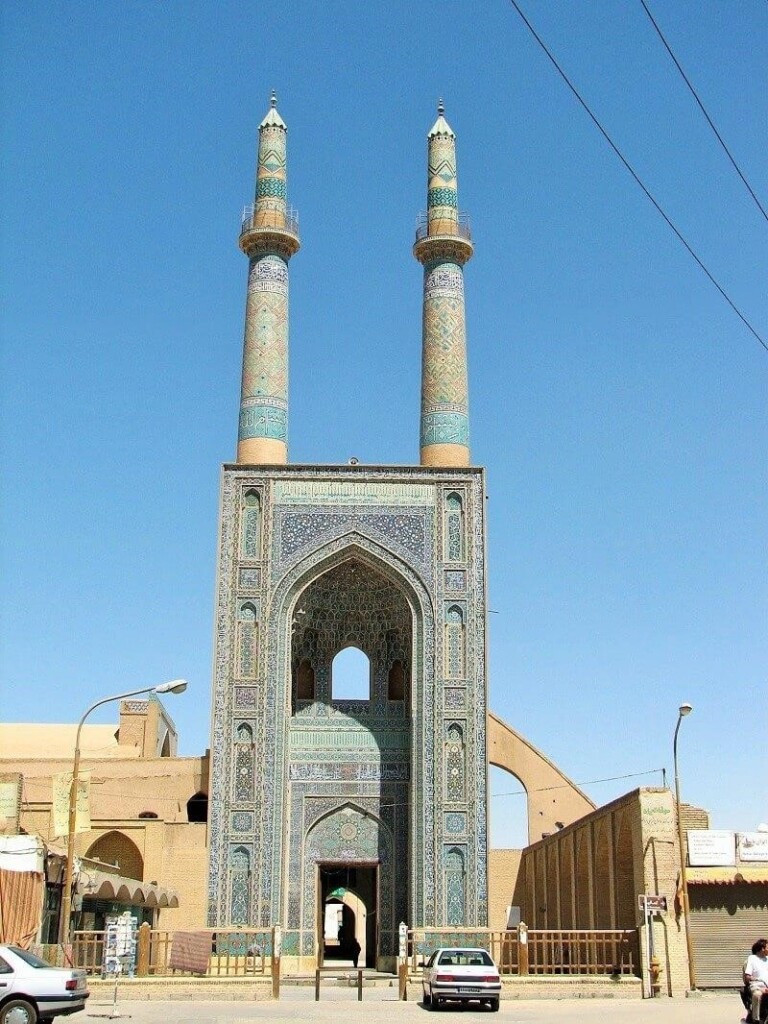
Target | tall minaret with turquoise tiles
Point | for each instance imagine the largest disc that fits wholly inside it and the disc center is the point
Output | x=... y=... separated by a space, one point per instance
x=268 y=237
x=443 y=245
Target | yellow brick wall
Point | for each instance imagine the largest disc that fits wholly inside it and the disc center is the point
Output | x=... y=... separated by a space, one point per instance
x=503 y=868
x=186 y=870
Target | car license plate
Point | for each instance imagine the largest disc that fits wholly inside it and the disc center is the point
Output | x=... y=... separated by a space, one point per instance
x=468 y=989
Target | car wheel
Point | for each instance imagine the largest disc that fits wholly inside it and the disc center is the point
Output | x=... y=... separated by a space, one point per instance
x=427 y=996
x=494 y=1005
x=18 y=1011
x=434 y=1003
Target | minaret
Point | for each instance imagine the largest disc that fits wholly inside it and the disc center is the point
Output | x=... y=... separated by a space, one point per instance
x=268 y=237
x=443 y=245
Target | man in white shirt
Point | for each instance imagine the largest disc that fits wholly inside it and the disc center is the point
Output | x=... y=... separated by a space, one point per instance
x=756 y=977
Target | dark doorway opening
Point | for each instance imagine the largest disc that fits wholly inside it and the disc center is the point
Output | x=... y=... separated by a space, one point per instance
x=347 y=914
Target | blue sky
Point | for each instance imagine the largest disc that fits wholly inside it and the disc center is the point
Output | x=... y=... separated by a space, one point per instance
x=617 y=402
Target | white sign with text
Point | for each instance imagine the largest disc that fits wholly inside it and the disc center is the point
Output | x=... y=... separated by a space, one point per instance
x=708 y=847
x=753 y=846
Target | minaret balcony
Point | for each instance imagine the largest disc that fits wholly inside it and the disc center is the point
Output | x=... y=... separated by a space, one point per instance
x=262 y=229
x=443 y=238
x=459 y=227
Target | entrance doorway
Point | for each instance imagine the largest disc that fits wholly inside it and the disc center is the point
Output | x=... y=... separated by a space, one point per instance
x=347 y=919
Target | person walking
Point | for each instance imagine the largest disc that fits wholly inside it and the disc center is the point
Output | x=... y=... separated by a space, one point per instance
x=756 y=978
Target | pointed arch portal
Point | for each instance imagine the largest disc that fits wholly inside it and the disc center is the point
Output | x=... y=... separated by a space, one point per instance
x=343 y=744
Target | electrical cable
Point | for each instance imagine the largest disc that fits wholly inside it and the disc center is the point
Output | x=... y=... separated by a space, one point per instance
x=567 y=785
x=710 y=122
x=637 y=178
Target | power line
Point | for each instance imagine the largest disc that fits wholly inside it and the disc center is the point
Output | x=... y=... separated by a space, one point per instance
x=568 y=785
x=710 y=122
x=637 y=178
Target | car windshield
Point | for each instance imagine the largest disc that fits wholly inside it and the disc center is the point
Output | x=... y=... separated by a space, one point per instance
x=28 y=958
x=465 y=958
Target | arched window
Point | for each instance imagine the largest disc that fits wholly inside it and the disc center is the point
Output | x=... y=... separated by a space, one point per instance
x=247 y=642
x=454 y=885
x=454 y=642
x=454 y=528
x=240 y=885
x=454 y=764
x=197 y=807
x=351 y=675
x=251 y=525
x=244 y=763
x=116 y=848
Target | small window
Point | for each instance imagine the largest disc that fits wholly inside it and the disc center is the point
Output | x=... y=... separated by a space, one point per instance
x=351 y=675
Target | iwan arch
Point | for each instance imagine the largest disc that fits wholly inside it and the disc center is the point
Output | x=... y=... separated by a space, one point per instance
x=377 y=804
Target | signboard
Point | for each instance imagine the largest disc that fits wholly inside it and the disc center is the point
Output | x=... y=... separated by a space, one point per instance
x=10 y=803
x=651 y=904
x=711 y=848
x=62 y=785
x=753 y=846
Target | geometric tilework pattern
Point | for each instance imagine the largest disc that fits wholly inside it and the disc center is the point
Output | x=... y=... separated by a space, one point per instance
x=272 y=187
x=444 y=395
x=398 y=780
x=271 y=172
x=264 y=395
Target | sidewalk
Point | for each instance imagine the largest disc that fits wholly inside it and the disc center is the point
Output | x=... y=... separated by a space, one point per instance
x=381 y=1006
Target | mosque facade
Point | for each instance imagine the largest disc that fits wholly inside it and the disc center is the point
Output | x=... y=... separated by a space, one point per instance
x=313 y=793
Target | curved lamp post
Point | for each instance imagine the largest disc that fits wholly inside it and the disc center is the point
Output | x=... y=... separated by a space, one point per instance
x=174 y=686
x=683 y=710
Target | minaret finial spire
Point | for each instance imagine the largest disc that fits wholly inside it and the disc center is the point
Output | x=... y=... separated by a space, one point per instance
x=443 y=245
x=268 y=237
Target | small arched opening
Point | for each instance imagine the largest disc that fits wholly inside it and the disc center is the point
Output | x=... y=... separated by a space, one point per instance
x=351 y=675
x=197 y=808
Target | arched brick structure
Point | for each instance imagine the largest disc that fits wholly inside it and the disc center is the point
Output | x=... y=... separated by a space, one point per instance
x=116 y=848
x=552 y=797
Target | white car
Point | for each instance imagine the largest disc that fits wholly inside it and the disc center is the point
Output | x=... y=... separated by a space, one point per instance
x=463 y=975
x=32 y=991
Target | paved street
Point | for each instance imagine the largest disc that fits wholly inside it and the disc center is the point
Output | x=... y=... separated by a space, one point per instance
x=380 y=1006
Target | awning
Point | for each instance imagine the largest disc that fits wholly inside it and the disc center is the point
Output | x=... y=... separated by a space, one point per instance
x=100 y=885
x=728 y=876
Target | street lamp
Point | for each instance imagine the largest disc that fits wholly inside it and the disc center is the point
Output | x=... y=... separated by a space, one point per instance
x=174 y=686
x=683 y=710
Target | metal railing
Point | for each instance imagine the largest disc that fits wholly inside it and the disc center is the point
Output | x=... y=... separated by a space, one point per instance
x=461 y=228
x=524 y=951
x=290 y=222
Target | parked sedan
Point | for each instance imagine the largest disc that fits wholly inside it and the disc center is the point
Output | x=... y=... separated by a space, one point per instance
x=32 y=991
x=462 y=975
